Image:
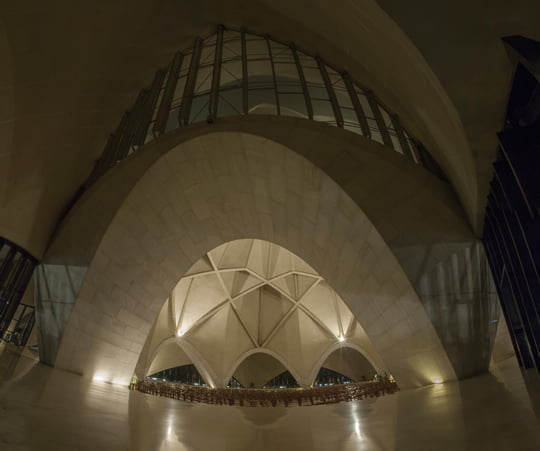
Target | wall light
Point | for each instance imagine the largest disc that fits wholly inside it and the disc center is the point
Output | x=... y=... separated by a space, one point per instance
x=98 y=378
x=437 y=380
x=340 y=338
x=179 y=333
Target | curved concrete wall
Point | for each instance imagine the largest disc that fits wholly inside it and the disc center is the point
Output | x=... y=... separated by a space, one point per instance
x=227 y=186
x=64 y=115
x=418 y=216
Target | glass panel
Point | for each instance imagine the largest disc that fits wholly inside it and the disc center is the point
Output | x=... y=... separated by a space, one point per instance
x=390 y=126
x=204 y=80
x=179 y=91
x=314 y=80
x=230 y=103
x=318 y=92
x=322 y=111
x=365 y=105
x=372 y=123
x=262 y=67
x=287 y=78
x=185 y=65
x=229 y=35
x=349 y=116
x=293 y=105
x=412 y=146
x=172 y=120
x=289 y=86
x=207 y=55
x=342 y=94
x=343 y=98
x=232 y=49
x=231 y=74
x=281 y=53
x=262 y=101
x=199 y=108
x=256 y=48
x=307 y=61
x=208 y=50
x=313 y=75
x=286 y=71
x=352 y=128
x=158 y=102
x=149 y=136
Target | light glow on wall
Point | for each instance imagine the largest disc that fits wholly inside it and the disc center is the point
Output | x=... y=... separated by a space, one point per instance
x=357 y=430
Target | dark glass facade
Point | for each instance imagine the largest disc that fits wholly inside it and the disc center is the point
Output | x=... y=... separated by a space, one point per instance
x=512 y=224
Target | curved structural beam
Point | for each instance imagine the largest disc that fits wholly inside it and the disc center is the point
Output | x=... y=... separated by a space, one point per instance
x=200 y=195
x=317 y=366
x=274 y=354
x=200 y=363
x=234 y=73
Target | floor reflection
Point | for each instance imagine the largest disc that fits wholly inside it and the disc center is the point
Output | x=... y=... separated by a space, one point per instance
x=47 y=409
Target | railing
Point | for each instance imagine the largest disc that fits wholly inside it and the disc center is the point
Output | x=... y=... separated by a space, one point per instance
x=267 y=397
x=235 y=73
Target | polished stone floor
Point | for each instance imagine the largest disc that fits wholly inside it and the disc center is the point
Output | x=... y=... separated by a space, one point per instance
x=46 y=409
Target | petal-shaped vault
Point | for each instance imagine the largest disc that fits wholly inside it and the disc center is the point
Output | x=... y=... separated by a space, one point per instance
x=220 y=340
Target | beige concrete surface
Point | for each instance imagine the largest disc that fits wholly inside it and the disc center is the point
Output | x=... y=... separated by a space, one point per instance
x=212 y=190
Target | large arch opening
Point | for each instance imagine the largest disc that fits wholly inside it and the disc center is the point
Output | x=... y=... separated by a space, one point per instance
x=347 y=362
x=251 y=310
x=200 y=195
x=259 y=370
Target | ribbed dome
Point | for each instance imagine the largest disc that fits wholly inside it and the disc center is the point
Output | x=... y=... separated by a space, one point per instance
x=251 y=296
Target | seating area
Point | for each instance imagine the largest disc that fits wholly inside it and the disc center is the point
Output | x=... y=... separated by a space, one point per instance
x=267 y=397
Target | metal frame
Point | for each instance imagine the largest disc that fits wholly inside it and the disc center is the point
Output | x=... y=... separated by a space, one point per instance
x=379 y=119
x=162 y=115
x=245 y=78
x=331 y=92
x=307 y=98
x=403 y=142
x=132 y=131
x=356 y=105
x=276 y=95
x=187 y=99
x=148 y=110
x=216 y=76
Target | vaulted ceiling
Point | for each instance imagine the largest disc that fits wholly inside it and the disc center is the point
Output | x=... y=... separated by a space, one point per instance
x=249 y=296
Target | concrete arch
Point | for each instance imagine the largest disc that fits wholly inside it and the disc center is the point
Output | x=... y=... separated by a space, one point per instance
x=217 y=188
x=269 y=352
x=371 y=174
x=425 y=227
x=197 y=360
x=317 y=366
